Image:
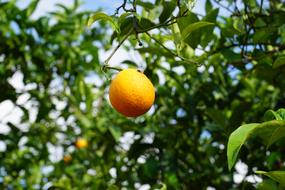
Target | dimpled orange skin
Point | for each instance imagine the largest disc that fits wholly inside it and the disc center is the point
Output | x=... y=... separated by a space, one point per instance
x=131 y=93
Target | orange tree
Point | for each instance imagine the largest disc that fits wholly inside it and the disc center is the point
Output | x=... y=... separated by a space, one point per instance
x=212 y=71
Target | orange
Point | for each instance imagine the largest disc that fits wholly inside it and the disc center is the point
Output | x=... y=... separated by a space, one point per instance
x=81 y=143
x=67 y=158
x=131 y=93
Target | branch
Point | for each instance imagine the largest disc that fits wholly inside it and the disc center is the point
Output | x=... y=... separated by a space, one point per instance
x=123 y=6
x=260 y=8
x=170 y=51
x=117 y=47
x=225 y=7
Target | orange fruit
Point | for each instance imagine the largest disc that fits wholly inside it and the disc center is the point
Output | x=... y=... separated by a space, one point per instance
x=81 y=143
x=67 y=158
x=131 y=93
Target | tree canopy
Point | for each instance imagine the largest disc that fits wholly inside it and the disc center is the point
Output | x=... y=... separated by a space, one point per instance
x=219 y=80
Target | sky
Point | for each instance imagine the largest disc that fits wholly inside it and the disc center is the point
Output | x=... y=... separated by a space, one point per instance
x=10 y=113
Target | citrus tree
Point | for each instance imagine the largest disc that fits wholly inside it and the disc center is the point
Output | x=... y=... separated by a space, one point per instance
x=218 y=74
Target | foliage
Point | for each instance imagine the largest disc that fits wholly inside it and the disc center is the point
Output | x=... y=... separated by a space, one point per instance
x=269 y=131
x=225 y=70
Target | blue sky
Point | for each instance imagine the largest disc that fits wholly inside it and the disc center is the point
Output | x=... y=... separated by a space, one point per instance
x=108 y=6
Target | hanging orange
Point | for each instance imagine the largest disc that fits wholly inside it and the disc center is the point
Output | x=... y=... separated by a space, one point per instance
x=131 y=93
x=81 y=143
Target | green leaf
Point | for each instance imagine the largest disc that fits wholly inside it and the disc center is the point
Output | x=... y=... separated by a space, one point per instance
x=281 y=32
x=208 y=6
x=271 y=131
x=168 y=8
x=123 y=17
x=146 y=5
x=113 y=187
x=267 y=185
x=176 y=34
x=32 y=7
x=278 y=176
x=164 y=187
x=217 y=116
x=281 y=113
x=271 y=115
x=263 y=35
x=116 y=132
x=236 y=140
x=102 y=16
x=192 y=27
x=280 y=61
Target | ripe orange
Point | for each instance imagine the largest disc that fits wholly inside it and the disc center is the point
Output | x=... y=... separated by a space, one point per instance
x=81 y=143
x=67 y=158
x=131 y=93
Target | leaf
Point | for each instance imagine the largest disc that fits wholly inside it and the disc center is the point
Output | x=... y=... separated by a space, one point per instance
x=280 y=61
x=102 y=16
x=123 y=17
x=236 y=140
x=278 y=176
x=217 y=116
x=208 y=6
x=267 y=185
x=168 y=8
x=281 y=113
x=271 y=115
x=32 y=7
x=146 y=5
x=269 y=131
x=192 y=27
x=164 y=187
x=116 y=132
x=113 y=187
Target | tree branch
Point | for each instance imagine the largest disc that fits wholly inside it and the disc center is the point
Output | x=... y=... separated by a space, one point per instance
x=168 y=50
x=123 y=6
x=117 y=47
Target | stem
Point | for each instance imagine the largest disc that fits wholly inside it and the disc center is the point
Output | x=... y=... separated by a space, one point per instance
x=124 y=8
x=164 y=47
x=170 y=51
x=136 y=27
x=260 y=8
x=117 y=47
x=225 y=7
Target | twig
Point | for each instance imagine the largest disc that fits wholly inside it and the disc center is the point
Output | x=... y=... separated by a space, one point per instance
x=225 y=7
x=123 y=6
x=117 y=47
x=161 y=44
x=168 y=50
x=261 y=5
x=136 y=28
x=179 y=5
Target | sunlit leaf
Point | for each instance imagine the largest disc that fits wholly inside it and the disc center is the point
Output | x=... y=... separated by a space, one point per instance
x=192 y=27
x=236 y=140
x=102 y=16
x=278 y=176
